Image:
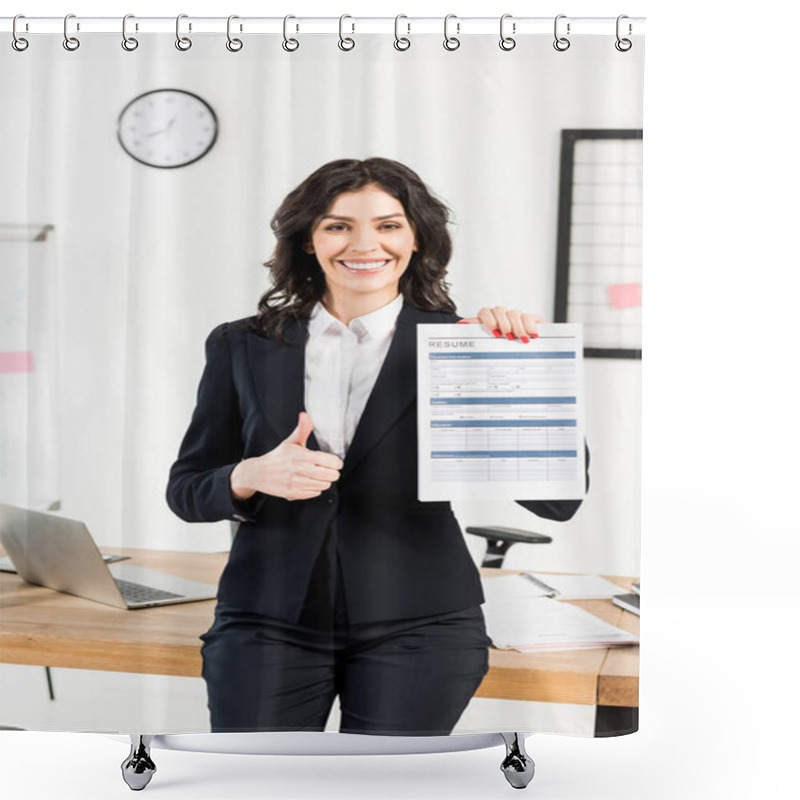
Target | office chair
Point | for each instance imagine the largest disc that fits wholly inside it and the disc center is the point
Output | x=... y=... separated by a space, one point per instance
x=501 y=539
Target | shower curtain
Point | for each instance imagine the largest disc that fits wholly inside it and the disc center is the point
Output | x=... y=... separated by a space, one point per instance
x=497 y=477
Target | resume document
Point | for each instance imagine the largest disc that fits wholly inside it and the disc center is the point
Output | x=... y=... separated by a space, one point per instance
x=499 y=418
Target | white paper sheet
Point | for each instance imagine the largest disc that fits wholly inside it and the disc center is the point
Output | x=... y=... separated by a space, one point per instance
x=499 y=418
x=565 y=587
x=541 y=624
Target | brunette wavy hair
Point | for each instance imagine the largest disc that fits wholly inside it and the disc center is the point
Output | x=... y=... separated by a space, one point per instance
x=298 y=281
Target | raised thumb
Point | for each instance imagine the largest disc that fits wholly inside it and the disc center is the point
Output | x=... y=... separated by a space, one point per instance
x=304 y=427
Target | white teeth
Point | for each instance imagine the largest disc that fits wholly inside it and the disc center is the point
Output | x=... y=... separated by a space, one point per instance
x=365 y=266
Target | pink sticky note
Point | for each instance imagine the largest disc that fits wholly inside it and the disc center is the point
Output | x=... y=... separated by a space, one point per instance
x=625 y=295
x=20 y=361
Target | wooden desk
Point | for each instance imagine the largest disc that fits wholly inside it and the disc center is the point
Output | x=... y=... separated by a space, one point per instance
x=40 y=626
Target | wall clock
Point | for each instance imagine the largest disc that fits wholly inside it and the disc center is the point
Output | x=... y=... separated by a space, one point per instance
x=167 y=128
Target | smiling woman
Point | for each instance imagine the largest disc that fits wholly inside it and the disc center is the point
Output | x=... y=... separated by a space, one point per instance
x=364 y=245
x=360 y=211
x=336 y=585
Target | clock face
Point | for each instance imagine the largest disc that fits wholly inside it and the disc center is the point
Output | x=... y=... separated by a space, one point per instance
x=167 y=128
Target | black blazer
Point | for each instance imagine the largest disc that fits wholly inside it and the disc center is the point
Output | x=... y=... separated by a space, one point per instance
x=400 y=558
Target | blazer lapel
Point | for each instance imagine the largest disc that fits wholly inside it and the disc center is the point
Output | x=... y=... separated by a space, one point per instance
x=278 y=372
x=394 y=389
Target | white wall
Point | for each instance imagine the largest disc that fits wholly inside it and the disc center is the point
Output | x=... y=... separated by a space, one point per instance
x=150 y=260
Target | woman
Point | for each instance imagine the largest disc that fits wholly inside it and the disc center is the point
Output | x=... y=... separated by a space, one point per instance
x=339 y=581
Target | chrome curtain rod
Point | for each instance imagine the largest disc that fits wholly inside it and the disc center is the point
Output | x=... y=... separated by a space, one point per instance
x=459 y=26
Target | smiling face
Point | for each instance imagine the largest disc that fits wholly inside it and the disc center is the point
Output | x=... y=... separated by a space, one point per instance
x=363 y=243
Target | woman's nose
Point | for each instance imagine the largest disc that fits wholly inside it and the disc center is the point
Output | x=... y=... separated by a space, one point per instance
x=363 y=240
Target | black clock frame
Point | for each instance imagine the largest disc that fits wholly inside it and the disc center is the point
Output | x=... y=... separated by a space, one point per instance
x=172 y=166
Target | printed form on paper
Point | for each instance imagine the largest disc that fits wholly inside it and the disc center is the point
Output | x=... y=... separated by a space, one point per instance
x=498 y=418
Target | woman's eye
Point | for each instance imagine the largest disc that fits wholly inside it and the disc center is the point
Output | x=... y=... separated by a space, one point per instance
x=337 y=226
x=390 y=226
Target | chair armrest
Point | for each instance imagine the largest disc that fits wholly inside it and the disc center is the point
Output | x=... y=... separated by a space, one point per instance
x=509 y=534
x=500 y=539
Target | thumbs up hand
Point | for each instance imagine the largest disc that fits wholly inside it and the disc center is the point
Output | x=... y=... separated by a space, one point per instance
x=301 y=433
x=291 y=470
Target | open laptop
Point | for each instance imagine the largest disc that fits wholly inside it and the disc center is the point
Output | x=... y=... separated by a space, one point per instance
x=60 y=553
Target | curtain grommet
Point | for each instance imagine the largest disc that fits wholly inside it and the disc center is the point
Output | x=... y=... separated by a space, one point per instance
x=346 y=43
x=623 y=44
x=561 y=43
x=507 y=42
x=129 y=43
x=234 y=45
x=451 y=42
x=401 y=43
x=289 y=44
x=19 y=43
x=183 y=43
x=70 y=43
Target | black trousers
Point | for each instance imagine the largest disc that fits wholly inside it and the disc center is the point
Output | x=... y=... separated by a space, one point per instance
x=410 y=677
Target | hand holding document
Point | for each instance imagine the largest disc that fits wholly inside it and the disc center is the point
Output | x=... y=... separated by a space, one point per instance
x=500 y=418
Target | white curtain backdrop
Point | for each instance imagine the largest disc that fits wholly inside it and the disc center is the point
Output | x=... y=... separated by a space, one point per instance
x=149 y=260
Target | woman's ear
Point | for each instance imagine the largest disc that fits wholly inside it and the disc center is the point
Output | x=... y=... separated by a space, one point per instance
x=308 y=247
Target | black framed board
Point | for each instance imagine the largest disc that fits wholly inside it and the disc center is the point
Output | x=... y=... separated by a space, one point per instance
x=599 y=251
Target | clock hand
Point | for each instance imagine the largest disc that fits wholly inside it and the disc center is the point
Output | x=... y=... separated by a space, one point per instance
x=163 y=130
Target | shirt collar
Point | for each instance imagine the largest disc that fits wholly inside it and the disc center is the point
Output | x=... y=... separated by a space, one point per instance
x=376 y=324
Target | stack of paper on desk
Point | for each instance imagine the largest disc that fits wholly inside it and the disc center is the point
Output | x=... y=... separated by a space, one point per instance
x=542 y=584
x=534 y=623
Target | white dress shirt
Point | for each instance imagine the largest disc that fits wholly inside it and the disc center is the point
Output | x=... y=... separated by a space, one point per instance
x=342 y=365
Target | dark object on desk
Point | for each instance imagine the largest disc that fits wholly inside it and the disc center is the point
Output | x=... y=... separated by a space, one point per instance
x=500 y=539
x=630 y=602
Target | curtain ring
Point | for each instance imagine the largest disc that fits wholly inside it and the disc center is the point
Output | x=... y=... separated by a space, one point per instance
x=70 y=42
x=507 y=42
x=234 y=45
x=345 y=42
x=182 y=42
x=623 y=45
x=561 y=43
x=451 y=42
x=18 y=43
x=401 y=42
x=290 y=45
x=128 y=42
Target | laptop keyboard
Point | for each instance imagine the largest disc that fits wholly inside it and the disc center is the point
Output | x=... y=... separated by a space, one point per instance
x=136 y=593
